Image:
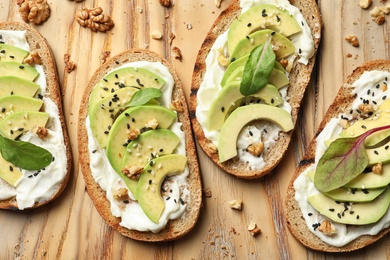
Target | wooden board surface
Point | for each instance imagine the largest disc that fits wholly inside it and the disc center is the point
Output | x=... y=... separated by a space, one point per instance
x=71 y=228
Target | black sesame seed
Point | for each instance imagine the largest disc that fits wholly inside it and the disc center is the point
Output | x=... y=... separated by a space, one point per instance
x=376 y=152
x=175 y=200
x=273 y=33
x=116 y=62
x=302 y=23
x=11 y=56
x=53 y=159
x=250 y=133
x=139 y=82
x=2 y=51
x=386 y=147
x=223 y=109
x=364 y=127
x=233 y=59
x=374 y=102
x=106 y=132
x=357 y=217
x=181 y=201
x=272 y=101
x=277 y=18
x=20 y=128
x=3 y=110
x=30 y=176
x=338 y=215
x=128 y=126
x=106 y=80
x=249 y=24
x=94 y=151
x=331 y=210
x=112 y=116
x=127 y=114
x=105 y=89
x=300 y=51
x=151 y=163
x=351 y=212
x=384 y=97
x=11 y=132
x=150 y=182
x=21 y=67
x=161 y=150
x=365 y=191
x=11 y=168
x=36 y=173
x=126 y=201
x=310 y=214
x=168 y=198
x=265 y=131
x=133 y=119
x=377 y=86
x=247 y=37
x=116 y=76
x=368 y=91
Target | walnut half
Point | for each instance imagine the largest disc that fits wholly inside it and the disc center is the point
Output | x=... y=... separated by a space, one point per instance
x=94 y=19
x=34 y=11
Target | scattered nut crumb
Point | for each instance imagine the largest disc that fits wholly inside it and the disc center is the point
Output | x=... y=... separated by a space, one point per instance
x=189 y=26
x=253 y=229
x=223 y=61
x=353 y=40
x=236 y=204
x=177 y=53
x=69 y=66
x=366 y=108
x=256 y=149
x=177 y=106
x=166 y=3
x=380 y=20
x=344 y=123
x=133 y=134
x=34 y=11
x=349 y=55
x=153 y=123
x=140 y=10
x=121 y=194
x=378 y=13
x=377 y=168
x=207 y=192
x=103 y=56
x=327 y=228
x=132 y=171
x=94 y=19
x=218 y=3
x=33 y=58
x=156 y=35
x=42 y=132
x=383 y=87
x=365 y=3
x=171 y=37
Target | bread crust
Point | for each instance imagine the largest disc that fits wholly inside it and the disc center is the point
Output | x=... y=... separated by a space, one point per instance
x=295 y=220
x=39 y=44
x=299 y=78
x=175 y=228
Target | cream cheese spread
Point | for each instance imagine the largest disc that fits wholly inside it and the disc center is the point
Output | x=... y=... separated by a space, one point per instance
x=131 y=214
x=37 y=186
x=304 y=187
x=210 y=85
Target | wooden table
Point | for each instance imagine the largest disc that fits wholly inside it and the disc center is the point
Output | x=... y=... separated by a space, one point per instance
x=71 y=228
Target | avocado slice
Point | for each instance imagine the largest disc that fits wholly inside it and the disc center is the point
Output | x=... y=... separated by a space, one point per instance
x=354 y=214
x=9 y=172
x=131 y=119
x=230 y=96
x=147 y=146
x=12 y=53
x=379 y=118
x=260 y=17
x=284 y=47
x=277 y=77
x=371 y=180
x=102 y=113
x=17 y=123
x=16 y=103
x=379 y=154
x=125 y=77
x=227 y=142
x=149 y=183
x=11 y=85
x=11 y=68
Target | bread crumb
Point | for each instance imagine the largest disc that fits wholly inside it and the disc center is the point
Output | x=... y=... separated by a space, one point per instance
x=103 y=56
x=171 y=37
x=353 y=40
x=365 y=3
x=236 y=204
x=156 y=35
x=69 y=66
x=177 y=53
x=377 y=168
x=207 y=192
x=349 y=55
x=253 y=229
x=140 y=10
x=218 y=3
x=189 y=26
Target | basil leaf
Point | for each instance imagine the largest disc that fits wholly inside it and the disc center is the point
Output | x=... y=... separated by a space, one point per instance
x=343 y=160
x=24 y=155
x=257 y=69
x=143 y=96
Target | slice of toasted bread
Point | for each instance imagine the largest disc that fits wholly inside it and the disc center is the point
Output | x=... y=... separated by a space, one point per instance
x=39 y=45
x=174 y=228
x=299 y=79
x=295 y=219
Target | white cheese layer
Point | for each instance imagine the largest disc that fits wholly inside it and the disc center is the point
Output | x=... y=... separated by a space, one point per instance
x=210 y=85
x=304 y=187
x=35 y=187
x=131 y=214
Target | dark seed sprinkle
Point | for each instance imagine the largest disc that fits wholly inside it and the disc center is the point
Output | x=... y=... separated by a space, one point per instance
x=21 y=67
x=376 y=152
x=11 y=168
x=105 y=81
x=272 y=101
x=384 y=97
x=106 y=132
x=222 y=109
x=133 y=119
x=116 y=76
x=300 y=51
x=273 y=33
x=310 y=214
x=116 y=62
x=386 y=147
x=331 y=210
x=20 y=128
x=150 y=182
x=94 y=151
x=364 y=127
x=249 y=24
x=338 y=215
x=357 y=217
x=377 y=86
x=351 y=212
x=365 y=191
x=139 y=82
x=30 y=176
x=11 y=56
x=53 y=159
x=175 y=200
x=233 y=59
x=127 y=114
x=368 y=91
x=161 y=150
x=151 y=163
x=2 y=51
x=3 y=110
x=168 y=198
x=250 y=133
x=181 y=201
x=277 y=18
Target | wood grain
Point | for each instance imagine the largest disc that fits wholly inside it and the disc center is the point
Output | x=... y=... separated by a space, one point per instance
x=71 y=228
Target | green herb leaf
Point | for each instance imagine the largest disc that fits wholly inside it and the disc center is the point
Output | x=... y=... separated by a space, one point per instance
x=143 y=96
x=24 y=155
x=343 y=160
x=257 y=69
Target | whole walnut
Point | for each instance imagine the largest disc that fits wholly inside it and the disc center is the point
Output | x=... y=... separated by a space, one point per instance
x=35 y=11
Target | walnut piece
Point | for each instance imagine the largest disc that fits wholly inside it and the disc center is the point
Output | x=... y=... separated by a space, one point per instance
x=378 y=13
x=365 y=3
x=327 y=228
x=254 y=229
x=353 y=40
x=133 y=134
x=121 y=194
x=377 y=168
x=344 y=123
x=366 y=108
x=69 y=66
x=177 y=106
x=94 y=19
x=236 y=204
x=103 y=56
x=133 y=172
x=177 y=53
x=383 y=87
x=166 y=3
x=33 y=58
x=42 y=132
x=223 y=61
x=34 y=11
x=156 y=35
x=256 y=149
